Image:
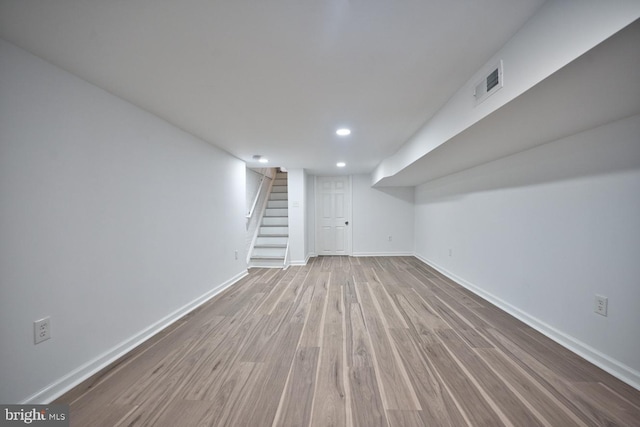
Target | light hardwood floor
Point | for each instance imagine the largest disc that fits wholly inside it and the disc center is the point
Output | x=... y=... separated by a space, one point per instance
x=351 y=342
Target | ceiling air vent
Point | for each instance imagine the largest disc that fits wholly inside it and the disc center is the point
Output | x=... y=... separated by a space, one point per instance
x=490 y=84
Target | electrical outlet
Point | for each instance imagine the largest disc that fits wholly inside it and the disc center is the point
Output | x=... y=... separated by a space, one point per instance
x=41 y=330
x=390 y=238
x=450 y=252
x=236 y=254
x=601 y=305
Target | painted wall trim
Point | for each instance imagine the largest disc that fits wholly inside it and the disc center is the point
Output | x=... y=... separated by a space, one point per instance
x=66 y=383
x=370 y=254
x=601 y=360
x=302 y=263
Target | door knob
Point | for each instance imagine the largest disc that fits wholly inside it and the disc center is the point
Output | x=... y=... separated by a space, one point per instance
x=346 y=223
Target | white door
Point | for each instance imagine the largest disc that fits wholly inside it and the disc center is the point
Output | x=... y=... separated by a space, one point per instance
x=333 y=215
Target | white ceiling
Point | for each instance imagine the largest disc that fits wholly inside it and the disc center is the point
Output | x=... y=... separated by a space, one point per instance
x=275 y=77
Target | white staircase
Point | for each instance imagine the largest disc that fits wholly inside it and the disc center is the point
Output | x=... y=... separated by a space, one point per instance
x=270 y=247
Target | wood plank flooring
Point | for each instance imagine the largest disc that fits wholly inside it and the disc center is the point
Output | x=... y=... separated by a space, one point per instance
x=351 y=342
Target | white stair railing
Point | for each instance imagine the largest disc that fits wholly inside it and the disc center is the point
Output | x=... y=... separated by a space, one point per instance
x=262 y=209
x=255 y=200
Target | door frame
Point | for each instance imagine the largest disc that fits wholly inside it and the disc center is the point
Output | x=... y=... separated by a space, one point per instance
x=317 y=198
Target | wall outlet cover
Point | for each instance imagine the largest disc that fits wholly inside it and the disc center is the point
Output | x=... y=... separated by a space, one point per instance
x=601 y=305
x=41 y=330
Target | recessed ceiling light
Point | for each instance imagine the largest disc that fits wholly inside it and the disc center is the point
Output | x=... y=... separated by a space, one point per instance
x=341 y=164
x=343 y=131
x=259 y=158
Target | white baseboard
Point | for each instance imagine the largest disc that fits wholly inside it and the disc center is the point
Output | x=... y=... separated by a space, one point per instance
x=302 y=263
x=601 y=360
x=72 y=379
x=369 y=254
x=356 y=254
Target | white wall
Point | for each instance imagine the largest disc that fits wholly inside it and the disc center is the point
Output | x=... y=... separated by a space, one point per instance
x=297 y=188
x=378 y=214
x=310 y=249
x=113 y=223
x=541 y=232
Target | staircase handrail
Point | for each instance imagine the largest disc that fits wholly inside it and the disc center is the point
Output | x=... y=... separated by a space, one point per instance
x=255 y=200
x=257 y=230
